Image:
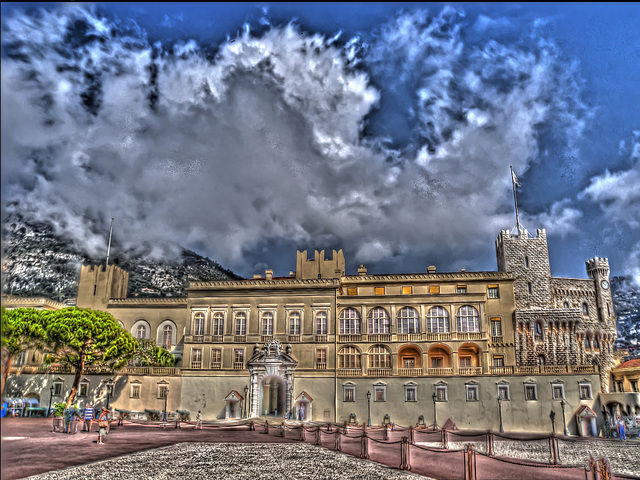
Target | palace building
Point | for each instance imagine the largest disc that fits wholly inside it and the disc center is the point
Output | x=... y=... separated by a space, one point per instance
x=480 y=348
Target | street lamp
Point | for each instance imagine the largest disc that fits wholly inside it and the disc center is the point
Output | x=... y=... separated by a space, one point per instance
x=166 y=396
x=368 y=408
x=500 y=410
x=109 y=386
x=564 y=421
x=246 y=399
x=435 y=421
x=552 y=416
x=50 y=397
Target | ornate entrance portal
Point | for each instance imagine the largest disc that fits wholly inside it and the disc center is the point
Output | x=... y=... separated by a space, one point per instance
x=272 y=375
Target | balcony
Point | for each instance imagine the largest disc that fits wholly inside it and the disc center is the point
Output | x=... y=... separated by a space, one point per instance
x=379 y=337
x=470 y=371
x=440 y=371
x=409 y=372
x=266 y=338
x=469 y=336
x=195 y=364
x=238 y=365
x=502 y=370
x=321 y=338
x=294 y=338
x=349 y=372
x=437 y=337
x=198 y=338
x=216 y=365
x=217 y=338
x=151 y=370
x=350 y=338
x=239 y=338
x=379 y=372
x=498 y=339
x=410 y=337
x=321 y=366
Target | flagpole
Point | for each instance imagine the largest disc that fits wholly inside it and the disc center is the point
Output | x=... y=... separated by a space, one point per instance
x=515 y=199
x=109 y=247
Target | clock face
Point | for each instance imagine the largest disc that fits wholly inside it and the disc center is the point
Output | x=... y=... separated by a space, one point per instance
x=604 y=284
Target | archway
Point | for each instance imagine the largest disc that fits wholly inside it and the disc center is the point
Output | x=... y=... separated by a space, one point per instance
x=272 y=399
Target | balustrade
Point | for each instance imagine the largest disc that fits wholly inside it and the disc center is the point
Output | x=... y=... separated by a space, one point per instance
x=440 y=372
x=379 y=372
x=470 y=371
x=349 y=372
x=409 y=372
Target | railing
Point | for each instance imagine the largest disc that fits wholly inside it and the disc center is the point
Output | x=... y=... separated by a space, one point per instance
x=216 y=365
x=439 y=372
x=409 y=372
x=321 y=366
x=584 y=368
x=379 y=337
x=469 y=336
x=217 y=338
x=527 y=369
x=503 y=370
x=238 y=365
x=321 y=338
x=294 y=338
x=349 y=372
x=437 y=337
x=410 y=337
x=554 y=369
x=379 y=372
x=195 y=364
x=497 y=339
x=239 y=338
x=96 y=370
x=350 y=338
x=151 y=370
x=266 y=338
x=470 y=371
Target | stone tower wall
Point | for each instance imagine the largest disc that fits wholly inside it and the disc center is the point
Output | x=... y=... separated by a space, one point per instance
x=99 y=283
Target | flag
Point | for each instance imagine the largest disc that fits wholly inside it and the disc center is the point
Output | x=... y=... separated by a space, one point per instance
x=515 y=179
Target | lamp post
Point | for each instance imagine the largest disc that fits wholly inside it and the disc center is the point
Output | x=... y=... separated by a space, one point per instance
x=50 y=398
x=109 y=386
x=564 y=421
x=500 y=410
x=166 y=396
x=435 y=418
x=552 y=416
x=368 y=408
x=246 y=399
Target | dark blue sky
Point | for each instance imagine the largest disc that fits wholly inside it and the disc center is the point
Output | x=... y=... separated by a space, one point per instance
x=245 y=131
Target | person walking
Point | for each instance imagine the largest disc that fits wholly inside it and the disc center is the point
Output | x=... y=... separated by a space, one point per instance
x=621 y=432
x=103 y=424
x=89 y=417
x=199 y=420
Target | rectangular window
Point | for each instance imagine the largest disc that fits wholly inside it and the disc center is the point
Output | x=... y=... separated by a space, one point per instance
x=380 y=393
x=216 y=358
x=408 y=362
x=407 y=290
x=163 y=391
x=530 y=392
x=352 y=291
x=434 y=288
x=492 y=291
x=57 y=388
x=585 y=391
x=465 y=361
x=441 y=393
x=196 y=358
x=321 y=323
x=135 y=390
x=379 y=290
x=620 y=387
x=498 y=361
x=321 y=358
x=461 y=289
x=634 y=385
x=238 y=355
x=410 y=393
x=84 y=388
x=557 y=391
x=496 y=327
x=472 y=393
x=436 y=362
x=349 y=392
x=503 y=392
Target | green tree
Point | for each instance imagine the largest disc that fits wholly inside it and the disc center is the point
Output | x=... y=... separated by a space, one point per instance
x=151 y=355
x=81 y=337
x=22 y=329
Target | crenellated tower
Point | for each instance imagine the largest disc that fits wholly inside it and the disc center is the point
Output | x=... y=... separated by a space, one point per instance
x=99 y=283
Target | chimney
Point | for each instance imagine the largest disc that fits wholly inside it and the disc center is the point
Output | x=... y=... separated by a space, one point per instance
x=431 y=269
x=257 y=276
x=269 y=274
x=292 y=273
x=362 y=270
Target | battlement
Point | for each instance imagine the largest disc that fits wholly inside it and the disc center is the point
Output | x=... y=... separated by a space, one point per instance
x=319 y=267
x=99 y=283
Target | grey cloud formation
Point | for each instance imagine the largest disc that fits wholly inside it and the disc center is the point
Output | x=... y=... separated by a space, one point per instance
x=268 y=137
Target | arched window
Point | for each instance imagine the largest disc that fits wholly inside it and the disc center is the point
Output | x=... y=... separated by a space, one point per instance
x=349 y=357
x=167 y=333
x=267 y=323
x=408 y=320
x=198 y=324
x=379 y=357
x=585 y=309
x=437 y=320
x=294 y=323
x=468 y=319
x=565 y=304
x=218 y=323
x=321 y=323
x=541 y=360
x=349 y=322
x=378 y=320
x=596 y=342
x=241 y=323
x=141 y=332
x=538 y=334
x=587 y=342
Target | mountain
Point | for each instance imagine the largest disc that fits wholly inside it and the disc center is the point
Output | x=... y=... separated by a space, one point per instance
x=38 y=262
x=626 y=301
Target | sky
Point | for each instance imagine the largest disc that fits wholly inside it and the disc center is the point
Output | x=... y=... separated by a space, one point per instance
x=246 y=131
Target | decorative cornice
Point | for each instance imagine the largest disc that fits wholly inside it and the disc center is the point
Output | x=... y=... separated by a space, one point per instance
x=427 y=277
x=10 y=300
x=264 y=284
x=182 y=301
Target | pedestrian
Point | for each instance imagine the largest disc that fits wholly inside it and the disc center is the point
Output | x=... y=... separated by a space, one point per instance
x=621 y=432
x=69 y=416
x=199 y=420
x=103 y=424
x=89 y=416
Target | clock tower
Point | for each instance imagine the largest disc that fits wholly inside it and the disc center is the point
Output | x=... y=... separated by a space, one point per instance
x=598 y=270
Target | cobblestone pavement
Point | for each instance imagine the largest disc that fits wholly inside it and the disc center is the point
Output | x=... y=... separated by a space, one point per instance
x=239 y=461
